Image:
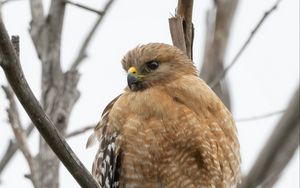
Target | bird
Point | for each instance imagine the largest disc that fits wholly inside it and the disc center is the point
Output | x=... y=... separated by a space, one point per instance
x=167 y=129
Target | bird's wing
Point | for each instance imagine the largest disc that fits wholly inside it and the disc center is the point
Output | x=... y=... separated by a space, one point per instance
x=107 y=161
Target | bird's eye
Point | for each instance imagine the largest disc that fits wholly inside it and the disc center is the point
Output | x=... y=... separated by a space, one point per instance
x=152 y=65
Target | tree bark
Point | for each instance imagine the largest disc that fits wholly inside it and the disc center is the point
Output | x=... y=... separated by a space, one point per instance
x=59 y=90
x=219 y=20
x=14 y=74
x=181 y=27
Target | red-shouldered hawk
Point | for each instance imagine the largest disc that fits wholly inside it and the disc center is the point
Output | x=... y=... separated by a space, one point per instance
x=168 y=128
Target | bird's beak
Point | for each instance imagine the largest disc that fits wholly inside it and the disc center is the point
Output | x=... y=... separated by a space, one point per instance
x=132 y=76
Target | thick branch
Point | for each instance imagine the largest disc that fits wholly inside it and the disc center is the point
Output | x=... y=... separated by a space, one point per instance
x=15 y=122
x=181 y=27
x=59 y=90
x=219 y=21
x=82 y=51
x=13 y=145
x=12 y=68
x=219 y=77
x=37 y=25
x=278 y=150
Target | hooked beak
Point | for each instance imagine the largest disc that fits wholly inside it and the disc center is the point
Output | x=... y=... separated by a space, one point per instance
x=132 y=77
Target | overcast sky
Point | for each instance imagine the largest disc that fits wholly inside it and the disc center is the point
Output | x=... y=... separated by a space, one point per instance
x=262 y=81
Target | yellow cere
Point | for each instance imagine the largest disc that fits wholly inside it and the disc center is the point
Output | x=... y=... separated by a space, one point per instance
x=132 y=70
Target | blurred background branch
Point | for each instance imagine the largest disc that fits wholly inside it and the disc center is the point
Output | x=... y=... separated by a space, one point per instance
x=278 y=150
x=218 y=24
x=220 y=76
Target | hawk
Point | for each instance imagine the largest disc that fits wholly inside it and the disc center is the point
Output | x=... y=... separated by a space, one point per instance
x=168 y=129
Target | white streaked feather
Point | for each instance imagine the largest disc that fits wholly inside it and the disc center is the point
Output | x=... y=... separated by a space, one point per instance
x=91 y=140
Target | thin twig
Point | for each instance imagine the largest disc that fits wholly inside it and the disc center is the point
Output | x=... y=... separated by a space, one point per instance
x=7 y=1
x=80 y=131
x=84 y=7
x=14 y=120
x=259 y=117
x=82 y=52
x=252 y=34
x=12 y=148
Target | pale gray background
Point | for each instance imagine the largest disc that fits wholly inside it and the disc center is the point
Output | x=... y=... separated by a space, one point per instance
x=262 y=81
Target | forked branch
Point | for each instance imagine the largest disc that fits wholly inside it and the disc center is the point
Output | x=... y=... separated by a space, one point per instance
x=20 y=135
x=14 y=74
x=82 y=52
x=219 y=77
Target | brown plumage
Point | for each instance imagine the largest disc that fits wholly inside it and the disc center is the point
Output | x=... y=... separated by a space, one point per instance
x=168 y=128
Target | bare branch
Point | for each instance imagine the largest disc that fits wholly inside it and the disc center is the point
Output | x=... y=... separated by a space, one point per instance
x=14 y=120
x=82 y=51
x=16 y=125
x=263 y=116
x=218 y=78
x=181 y=27
x=13 y=145
x=278 y=150
x=218 y=24
x=80 y=131
x=12 y=148
x=13 y=117
x=36 y=24
x=12 y=68
x=84 y=7
x=7 y=1
x=37 y=11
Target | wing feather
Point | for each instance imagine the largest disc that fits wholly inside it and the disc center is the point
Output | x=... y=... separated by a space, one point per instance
x=107 y=161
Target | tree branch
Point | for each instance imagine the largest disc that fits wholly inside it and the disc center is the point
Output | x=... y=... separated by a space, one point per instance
x=82 y=51
x=278 y=150
x=13 y=145
x=219 y=77
x=12 y=148
x=37 y=25
x=181 y=27
x=218 y=24
x=3 y=2
x=14 y=120
x=80 y=131
x=258 y=117
x=12 y=68
x=83 y=7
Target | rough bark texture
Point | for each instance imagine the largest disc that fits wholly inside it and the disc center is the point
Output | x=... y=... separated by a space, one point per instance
x=59 y=90
x=10 y=63
x=219 y=20
x=181 y=27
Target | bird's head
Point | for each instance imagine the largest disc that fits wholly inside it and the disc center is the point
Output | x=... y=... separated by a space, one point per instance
x=155 y=64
